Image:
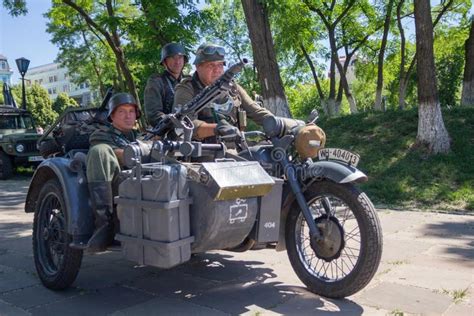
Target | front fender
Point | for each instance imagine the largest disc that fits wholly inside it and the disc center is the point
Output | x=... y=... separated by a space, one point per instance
x=334 y=171
x=75 y=193
x=319 y=170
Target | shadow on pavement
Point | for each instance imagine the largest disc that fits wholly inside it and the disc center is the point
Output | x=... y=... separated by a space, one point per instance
x=458 y=231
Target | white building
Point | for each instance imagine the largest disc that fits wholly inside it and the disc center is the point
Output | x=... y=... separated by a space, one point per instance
x=55 y=79
x=350 y=74
x=5 y=71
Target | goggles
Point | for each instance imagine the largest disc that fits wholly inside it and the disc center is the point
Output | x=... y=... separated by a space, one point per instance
x=212 y=50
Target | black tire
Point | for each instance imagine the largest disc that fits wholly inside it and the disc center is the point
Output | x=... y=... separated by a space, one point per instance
x=6 y=166
x=56 y=263
x=345 y=265
x=49 y=147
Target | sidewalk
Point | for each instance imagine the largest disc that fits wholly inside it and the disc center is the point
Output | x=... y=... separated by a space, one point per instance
x=427 y=268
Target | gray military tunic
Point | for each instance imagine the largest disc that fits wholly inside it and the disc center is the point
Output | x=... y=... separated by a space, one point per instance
x=188 y=88
x=158 y=96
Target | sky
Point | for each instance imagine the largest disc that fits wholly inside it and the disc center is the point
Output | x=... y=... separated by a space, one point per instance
x=26 y=36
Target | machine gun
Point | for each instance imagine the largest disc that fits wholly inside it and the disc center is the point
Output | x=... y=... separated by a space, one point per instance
x=181 y=119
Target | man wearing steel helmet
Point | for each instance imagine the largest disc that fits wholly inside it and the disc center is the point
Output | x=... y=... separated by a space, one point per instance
x=104 y=162
x=159 y=90
x=210 y=62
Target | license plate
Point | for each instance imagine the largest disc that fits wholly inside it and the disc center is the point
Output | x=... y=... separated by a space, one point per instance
x=35 y=158
x=339 y=155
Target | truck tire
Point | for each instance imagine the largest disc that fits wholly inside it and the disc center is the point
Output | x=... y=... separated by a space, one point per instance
x=6 y=166
x=49 y=147
x=56 y=262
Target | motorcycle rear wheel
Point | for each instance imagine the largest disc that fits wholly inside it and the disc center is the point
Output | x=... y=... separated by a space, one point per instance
x=348 y=259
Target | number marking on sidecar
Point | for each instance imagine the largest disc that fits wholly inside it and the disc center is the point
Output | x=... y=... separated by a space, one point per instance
x=339 y=155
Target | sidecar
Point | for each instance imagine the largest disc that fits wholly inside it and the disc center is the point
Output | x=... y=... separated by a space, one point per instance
x=167 y=211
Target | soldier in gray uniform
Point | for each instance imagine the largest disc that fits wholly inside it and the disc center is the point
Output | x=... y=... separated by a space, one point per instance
x=104 y=162
x=226 y=116
x=160 y=88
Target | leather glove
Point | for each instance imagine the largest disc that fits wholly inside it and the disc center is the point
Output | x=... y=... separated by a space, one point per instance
x=226 y=130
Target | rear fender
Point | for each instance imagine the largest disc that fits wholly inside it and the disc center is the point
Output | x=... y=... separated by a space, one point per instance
x=75 y=193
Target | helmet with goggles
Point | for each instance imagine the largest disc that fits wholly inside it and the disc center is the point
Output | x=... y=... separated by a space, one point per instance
x=209 y=52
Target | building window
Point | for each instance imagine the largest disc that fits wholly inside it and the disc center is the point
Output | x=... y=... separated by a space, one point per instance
x=40 y=81
x=54 y=90
x=65 y=76
x=55 y=78
x=51 y=78
x=3 y=65
x=66 y=88
x=50 y=91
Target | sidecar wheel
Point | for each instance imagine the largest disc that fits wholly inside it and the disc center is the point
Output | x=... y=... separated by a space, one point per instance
x=56 y=263
x=347 y=259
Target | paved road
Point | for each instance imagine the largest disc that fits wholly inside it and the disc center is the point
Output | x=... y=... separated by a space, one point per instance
x=427 y=269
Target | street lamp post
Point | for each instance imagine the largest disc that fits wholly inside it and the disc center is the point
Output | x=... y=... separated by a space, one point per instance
x=22 y=64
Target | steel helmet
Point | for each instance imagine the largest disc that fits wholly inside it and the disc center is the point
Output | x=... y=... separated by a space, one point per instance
x=119 y=99
x=209 y=52
x=172 y=49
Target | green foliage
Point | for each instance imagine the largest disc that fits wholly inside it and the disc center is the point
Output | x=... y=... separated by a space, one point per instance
x=62 y=102
x=15 y=7
x=401 y=175
x=223 y=23
x=302 y=99
x=38 y=103
x=449 y=58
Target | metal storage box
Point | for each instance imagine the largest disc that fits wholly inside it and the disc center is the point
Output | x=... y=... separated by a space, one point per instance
x=225 y=202
x=153 y=209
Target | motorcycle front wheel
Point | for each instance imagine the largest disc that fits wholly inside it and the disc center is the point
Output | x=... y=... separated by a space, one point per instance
x=348 y=256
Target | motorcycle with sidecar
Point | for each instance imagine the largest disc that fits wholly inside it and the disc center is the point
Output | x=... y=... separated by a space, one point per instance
x=179 y=197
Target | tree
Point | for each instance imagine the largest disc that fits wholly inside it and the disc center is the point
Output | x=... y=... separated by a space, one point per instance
x=467 y=98
x=348 y=27
x=223 y=23
x=62 y=102
x=257 y=17
x=106 y=22
x=383 y=45
x=432 y=133
x=38 y=103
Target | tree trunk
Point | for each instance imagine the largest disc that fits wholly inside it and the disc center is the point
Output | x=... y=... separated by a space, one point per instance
x=332 y=89
x=386 y=27
x=401 y=82
x=432 y=133
x=405 y=76
x=316 y=80
x=273 y=92
x=467 y=98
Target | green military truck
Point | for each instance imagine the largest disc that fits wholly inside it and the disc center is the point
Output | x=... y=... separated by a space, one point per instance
x=18 y=137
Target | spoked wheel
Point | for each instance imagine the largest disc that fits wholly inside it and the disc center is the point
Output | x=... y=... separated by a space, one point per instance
x=56 y=263
x=347 y=257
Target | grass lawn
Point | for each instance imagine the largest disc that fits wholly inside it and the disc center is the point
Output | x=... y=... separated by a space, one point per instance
x=399 y=174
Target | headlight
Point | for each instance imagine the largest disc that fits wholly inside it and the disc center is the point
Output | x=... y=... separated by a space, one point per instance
x=309 y=140
x=20 y=148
